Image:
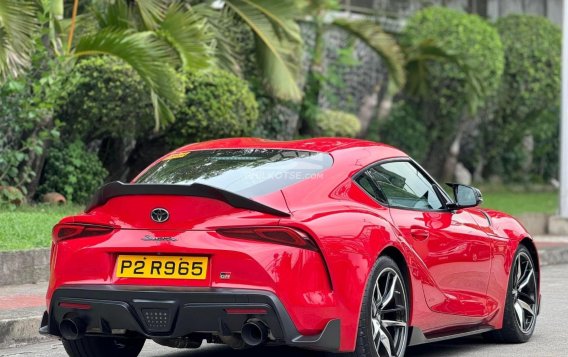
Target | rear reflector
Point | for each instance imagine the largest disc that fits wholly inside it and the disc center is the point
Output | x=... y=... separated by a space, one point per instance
x=280 y=235
x=79 y=230
x=72 y=305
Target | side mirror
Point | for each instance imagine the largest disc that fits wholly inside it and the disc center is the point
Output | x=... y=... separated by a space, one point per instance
x=465 y=196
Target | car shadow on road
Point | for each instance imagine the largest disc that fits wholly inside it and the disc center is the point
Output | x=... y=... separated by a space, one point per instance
x=445 y=348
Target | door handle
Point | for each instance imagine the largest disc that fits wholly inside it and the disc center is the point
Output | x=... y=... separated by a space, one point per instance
x=419 y=233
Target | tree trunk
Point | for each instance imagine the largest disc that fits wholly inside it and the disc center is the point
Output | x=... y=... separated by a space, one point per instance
x=307 y=125
x=144 y=153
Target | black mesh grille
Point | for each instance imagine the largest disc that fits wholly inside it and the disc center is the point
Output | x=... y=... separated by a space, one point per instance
x=157 y=319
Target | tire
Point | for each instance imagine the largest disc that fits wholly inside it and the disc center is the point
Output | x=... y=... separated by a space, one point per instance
x=392 y=317
x=90 y=346
x=518 y=326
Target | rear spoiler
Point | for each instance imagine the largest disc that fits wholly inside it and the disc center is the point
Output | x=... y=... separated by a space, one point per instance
x=118 y=189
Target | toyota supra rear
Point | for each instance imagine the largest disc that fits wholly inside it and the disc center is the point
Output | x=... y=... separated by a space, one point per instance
x=339 y=245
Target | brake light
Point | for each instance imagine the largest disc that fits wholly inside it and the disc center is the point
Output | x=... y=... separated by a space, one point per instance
x=79 y=230
x=281 y=235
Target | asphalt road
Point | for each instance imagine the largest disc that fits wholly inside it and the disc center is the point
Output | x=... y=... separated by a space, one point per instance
x=550 y=338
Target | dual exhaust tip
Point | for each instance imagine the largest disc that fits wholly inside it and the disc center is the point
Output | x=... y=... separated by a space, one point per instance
x=253 y=333
x=72 y=328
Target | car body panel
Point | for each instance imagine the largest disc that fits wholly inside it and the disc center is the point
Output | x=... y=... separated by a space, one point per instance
x=457 y=276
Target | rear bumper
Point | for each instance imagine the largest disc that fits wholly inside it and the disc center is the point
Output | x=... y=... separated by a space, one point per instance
x=155 y=312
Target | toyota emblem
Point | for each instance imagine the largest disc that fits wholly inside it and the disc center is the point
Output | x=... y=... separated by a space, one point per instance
x=160 y=215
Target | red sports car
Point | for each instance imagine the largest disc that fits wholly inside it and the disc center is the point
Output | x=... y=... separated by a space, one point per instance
x=329 y=244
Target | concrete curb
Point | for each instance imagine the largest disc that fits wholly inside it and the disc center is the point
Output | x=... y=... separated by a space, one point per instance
x=24 y=266
x=20 y=331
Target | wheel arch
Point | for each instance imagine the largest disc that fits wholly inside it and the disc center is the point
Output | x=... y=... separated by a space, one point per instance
x=529 y=244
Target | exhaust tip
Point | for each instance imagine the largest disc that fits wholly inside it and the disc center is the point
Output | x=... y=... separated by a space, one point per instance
x=254 y=333
x=72 y=328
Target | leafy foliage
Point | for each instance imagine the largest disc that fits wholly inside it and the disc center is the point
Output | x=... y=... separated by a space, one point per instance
x=278 y=42
x=105 y=97
x=337 y=123
x=453 y=97
x=26 y=111
x=72 y=171
x=526 y=101
x=405 y=129
x=218 y=104
x=531 y=81
x=18 y=26
x=468 y=37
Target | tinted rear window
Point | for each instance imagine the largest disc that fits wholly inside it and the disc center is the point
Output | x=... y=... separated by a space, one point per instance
x=247 y=172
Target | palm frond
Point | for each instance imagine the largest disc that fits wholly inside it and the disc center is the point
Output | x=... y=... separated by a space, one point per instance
x=218 y=21
x=152 y=12
x=419 y=58
x=187 y=33
x=18 y=26
x=148 y=55
x=379 y=41
x=278 y=42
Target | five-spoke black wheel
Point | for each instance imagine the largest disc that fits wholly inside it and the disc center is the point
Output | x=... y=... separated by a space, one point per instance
x=383 y=326
x=521 y=306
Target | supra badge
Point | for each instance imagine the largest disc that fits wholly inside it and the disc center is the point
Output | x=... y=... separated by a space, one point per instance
x=160 y=215
x=150 y=238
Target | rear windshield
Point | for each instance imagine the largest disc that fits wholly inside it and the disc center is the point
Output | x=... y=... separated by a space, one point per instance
x=247 y=172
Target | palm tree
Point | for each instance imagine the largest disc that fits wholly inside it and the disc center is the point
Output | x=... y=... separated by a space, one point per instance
x=156 y=37
x=278 y=44
x=18 y=23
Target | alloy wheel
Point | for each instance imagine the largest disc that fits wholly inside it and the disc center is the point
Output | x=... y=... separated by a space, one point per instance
x=524 y=292
x=389 y=314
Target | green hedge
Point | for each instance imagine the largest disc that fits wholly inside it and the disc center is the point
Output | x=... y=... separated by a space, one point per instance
x=471 y=39
x=531 y=81
x=73 y=172
x=337 y=123
x=105 y=97
x=218 y=104
x=405 y=129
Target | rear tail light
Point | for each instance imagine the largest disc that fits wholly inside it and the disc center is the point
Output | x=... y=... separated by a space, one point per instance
x=280 y=235
x=79 y=230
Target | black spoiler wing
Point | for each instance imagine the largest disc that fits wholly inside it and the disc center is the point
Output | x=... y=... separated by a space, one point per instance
x=117 y=189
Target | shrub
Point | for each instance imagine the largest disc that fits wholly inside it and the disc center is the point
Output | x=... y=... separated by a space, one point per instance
x=218 y=104
x=529 y=92
x=452 y=99
x=72 y=171
x=105 y=97
x=337 y=123
x=531 y=80
x=468 y=37
x=405 y=129
x=26 y=124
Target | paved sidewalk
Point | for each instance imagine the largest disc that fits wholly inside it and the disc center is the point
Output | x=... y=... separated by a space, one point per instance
x=21 y=309
x=22 y=306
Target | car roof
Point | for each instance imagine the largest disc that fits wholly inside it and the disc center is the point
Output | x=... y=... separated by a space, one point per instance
x=313 y=144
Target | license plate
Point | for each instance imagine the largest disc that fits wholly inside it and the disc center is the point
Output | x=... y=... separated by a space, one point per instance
x=161 y=267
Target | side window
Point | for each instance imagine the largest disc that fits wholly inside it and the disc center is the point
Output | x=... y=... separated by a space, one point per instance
x=403 y=185
x=366 y=182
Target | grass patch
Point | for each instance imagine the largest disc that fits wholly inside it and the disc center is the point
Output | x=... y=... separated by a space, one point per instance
x=515 y=203
x=30 y=227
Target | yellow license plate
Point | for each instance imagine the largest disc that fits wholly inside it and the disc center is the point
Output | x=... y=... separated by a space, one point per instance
x=161 y=267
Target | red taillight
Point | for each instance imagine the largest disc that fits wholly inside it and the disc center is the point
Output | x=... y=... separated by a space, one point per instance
x=280 y=235
x=79 y=230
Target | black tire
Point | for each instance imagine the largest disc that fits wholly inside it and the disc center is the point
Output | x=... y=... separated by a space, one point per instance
x=365 y=342
x=103 y=347
x=512 y=332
